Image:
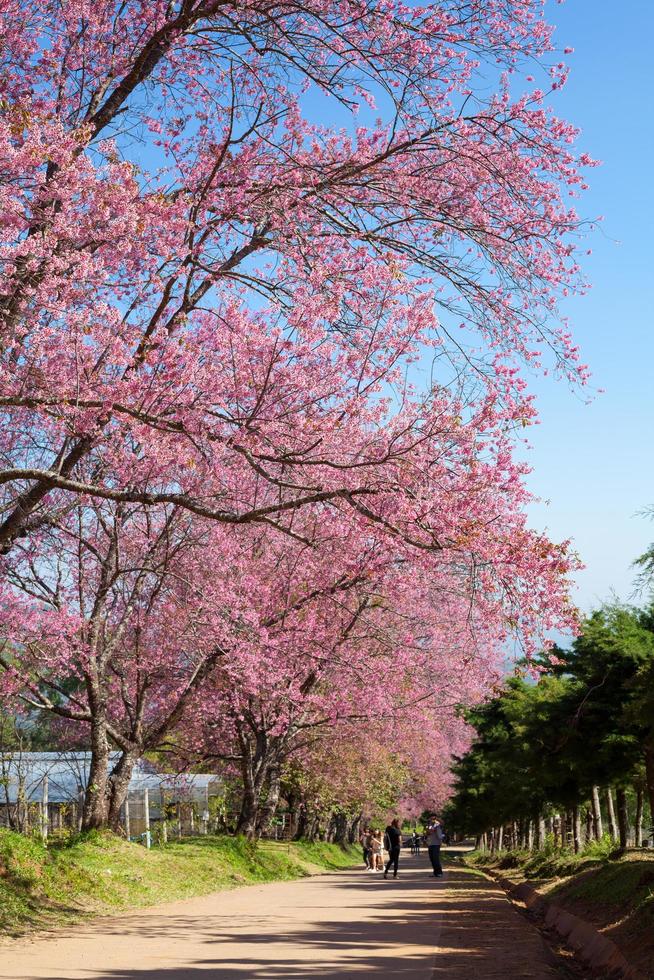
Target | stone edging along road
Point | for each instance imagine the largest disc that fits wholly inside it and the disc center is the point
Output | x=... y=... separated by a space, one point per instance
x=594 y=949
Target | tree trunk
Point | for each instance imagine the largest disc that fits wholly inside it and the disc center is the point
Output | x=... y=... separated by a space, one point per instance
x=293 y=802
x=247 y=818
x=255 y=766
x=267 y=812
x=325 y=836
x=316 y=828
x=576 y=829
x=539 y=823
x=610 y=811
x=302 y=824
x=118 y=789
x=638 y=841
x=589 y=825
x=623 y=816
x=598 y=830
x=649 y=777
x=95 y=810
x=354 y=830
x=340 y=828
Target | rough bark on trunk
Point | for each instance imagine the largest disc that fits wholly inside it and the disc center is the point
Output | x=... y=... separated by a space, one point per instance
x=95 y=810
x=267 y=812
x=247 y=818
x=623 y=816
x=327 y=824
x=302 y=824
x=293 y=803
x=119 y=781
x=340 y=828
x=355 y=829
x=313 y=827
x=598 y=830
x=610 y=812
x=256 y=761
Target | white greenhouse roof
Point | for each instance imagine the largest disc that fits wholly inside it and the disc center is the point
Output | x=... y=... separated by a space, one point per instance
x=68 y=774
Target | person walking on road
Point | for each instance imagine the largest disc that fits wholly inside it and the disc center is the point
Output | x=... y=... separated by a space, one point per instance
x=370 y=844
x=394 y=839
x=435 y=838
x=365 y=844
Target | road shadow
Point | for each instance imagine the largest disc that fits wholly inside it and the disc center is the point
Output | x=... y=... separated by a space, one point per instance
x=480 y=929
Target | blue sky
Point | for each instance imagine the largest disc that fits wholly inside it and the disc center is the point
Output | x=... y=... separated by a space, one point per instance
x=595 y=463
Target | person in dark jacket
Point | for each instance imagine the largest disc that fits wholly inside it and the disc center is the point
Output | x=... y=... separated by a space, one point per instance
x=394 y=843
x=435 y=837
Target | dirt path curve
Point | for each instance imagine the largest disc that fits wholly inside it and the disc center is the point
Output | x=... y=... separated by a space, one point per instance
x=348 y=924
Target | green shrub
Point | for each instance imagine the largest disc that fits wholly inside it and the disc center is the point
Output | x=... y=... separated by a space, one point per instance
x=600 y=850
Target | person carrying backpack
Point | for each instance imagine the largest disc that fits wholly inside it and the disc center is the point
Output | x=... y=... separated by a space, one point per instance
x=435 y=837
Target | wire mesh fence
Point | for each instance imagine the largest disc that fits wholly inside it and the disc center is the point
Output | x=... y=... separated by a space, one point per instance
x=43 y=793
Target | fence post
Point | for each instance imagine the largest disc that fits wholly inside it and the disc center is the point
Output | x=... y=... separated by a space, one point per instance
x=206 y=815
x=126 y=817
x=80 y=807
x=44 y=808
x=164 y=818
x=146 y=814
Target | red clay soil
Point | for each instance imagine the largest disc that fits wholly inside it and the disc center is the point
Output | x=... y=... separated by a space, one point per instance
x=635 y=942
x=620 y=915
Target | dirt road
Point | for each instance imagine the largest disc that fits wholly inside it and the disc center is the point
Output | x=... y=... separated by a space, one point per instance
x=348 y=924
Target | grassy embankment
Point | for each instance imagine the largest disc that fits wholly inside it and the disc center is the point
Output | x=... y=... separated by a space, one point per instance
x=97 y=873
x=613 y=891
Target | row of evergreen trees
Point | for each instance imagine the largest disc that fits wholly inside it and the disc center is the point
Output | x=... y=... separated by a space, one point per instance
x=572 y=754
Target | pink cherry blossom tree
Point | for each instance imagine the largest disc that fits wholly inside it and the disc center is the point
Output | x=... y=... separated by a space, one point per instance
x=210 y=299
x=232 y=500
x=135 y=626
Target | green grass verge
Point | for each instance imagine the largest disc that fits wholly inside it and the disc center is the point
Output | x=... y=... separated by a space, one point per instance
x=97 y=873
x=554 y=863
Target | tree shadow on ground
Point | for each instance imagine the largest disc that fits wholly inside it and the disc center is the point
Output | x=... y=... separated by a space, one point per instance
x=483 y=937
